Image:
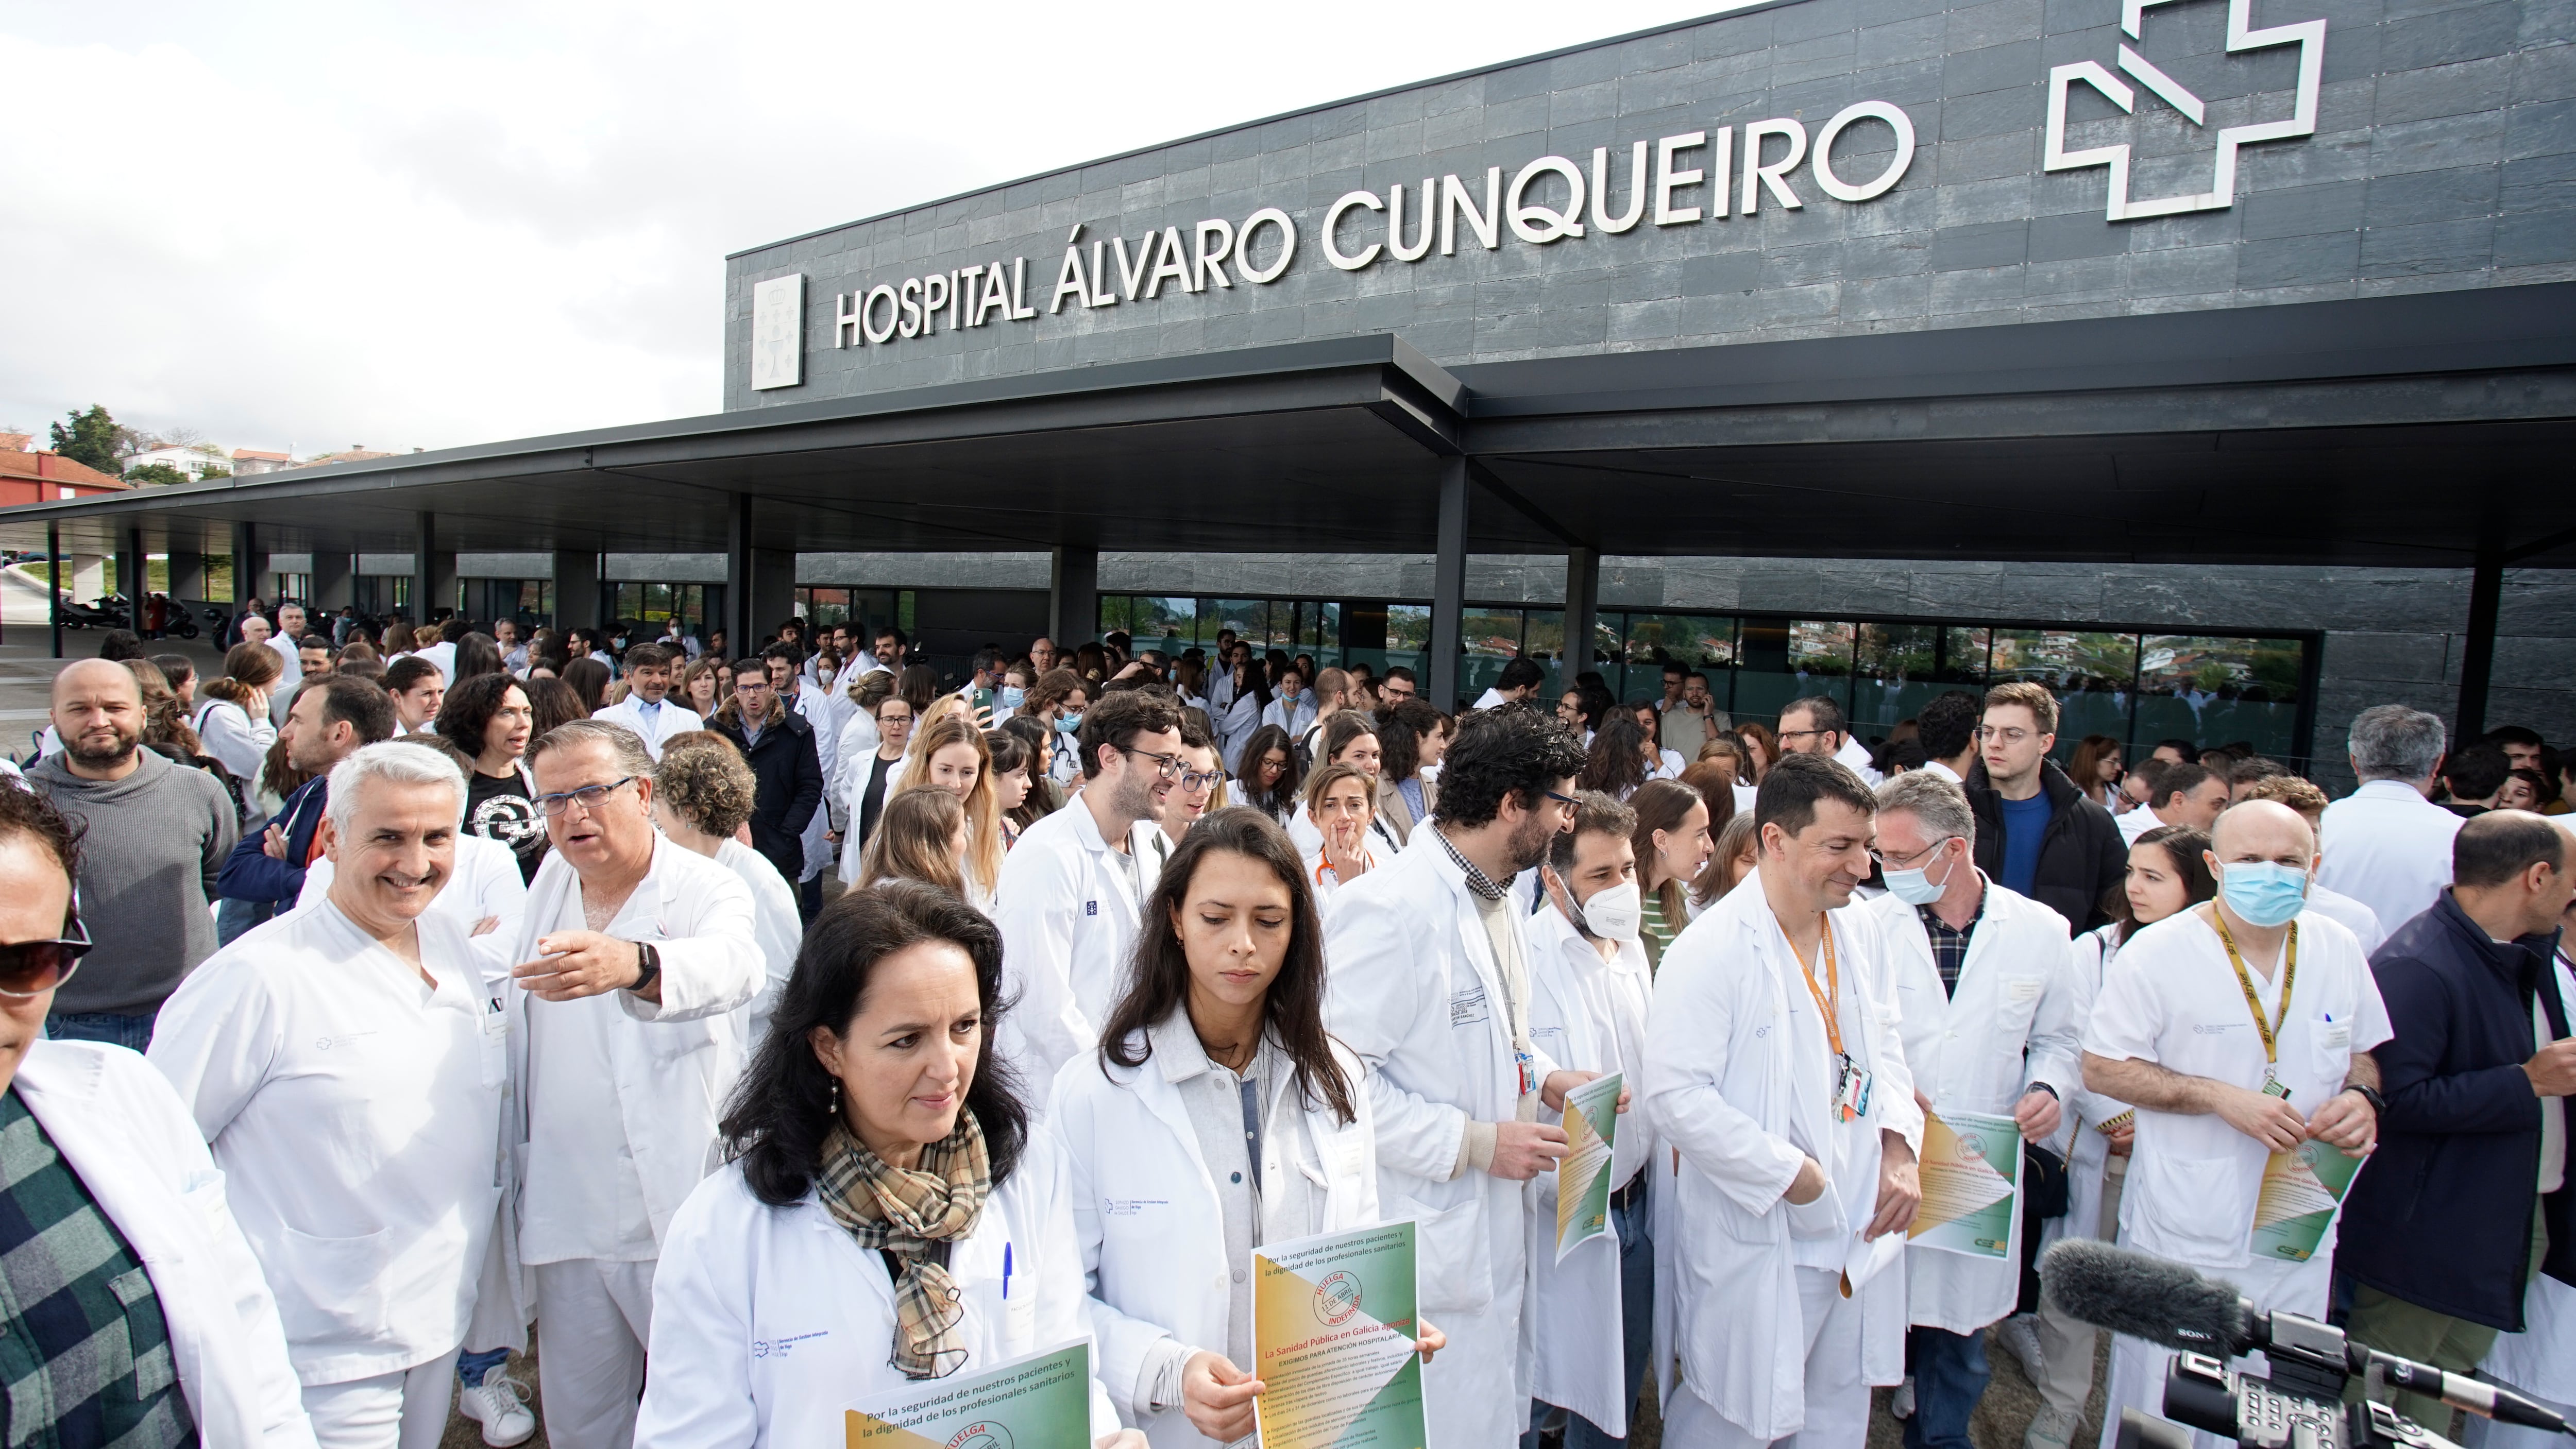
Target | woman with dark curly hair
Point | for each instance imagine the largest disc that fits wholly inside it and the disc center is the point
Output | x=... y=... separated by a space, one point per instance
x=884 y=1200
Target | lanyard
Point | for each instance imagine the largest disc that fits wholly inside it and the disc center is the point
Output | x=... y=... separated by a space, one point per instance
x=2270 y=1031
x=1832 y=990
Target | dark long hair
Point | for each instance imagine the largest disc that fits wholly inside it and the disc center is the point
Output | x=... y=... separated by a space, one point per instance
x=776 y=1120
x=1400 y=732
x=1616 y=763
x=477 y=654
x=1160 y=972
x=2183 y=846
x=588 y=679
x=1278 y=801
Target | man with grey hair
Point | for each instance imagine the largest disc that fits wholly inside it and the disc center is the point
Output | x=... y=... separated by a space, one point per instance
x=345 y=1063
x=635 y=953
x=154 y=839
x=2387 y=844
x=1985 y=1000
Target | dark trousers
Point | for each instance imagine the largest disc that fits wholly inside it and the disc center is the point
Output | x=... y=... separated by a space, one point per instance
x=1950 y=1376
x=134 y=1033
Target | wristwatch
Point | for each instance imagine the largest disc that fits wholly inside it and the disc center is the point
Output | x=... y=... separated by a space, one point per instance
x=650 y=963
x=2378 y=1103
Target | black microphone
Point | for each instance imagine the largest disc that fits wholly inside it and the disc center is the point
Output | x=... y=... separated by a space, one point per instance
x=2163 y=1302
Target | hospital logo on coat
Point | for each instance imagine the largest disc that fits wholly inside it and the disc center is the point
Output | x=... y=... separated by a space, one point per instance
x=1337 y=1298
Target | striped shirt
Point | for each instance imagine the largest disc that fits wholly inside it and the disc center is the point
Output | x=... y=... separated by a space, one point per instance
x=84 y=1351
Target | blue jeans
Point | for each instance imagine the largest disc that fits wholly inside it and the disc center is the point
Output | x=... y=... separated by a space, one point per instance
x=111 y=1027
x=1950 y=1376
x=235 y=918
x=471 y=1367
x=1636 y=1324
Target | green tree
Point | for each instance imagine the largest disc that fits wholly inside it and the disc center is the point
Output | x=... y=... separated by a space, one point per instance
x=91 y=438
x=155 y=475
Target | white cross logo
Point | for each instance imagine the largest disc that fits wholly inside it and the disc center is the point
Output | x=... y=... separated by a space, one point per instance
x=2308 y=35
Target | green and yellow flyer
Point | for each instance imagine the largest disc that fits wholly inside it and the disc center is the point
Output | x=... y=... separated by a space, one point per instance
x=1971 y=1169
x=1583 y=1173
x=2302 y=1188
x=1039 y=1402
x=1333 y=1333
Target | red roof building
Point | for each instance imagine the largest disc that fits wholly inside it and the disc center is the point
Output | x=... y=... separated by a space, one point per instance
x=46 y=477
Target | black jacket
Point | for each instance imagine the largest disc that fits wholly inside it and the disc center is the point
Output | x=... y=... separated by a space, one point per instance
x=2441 y=1216
x=789 y=778
x=2081 y=858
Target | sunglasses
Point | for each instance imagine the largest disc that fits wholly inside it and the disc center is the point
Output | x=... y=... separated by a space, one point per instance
x=32 y=968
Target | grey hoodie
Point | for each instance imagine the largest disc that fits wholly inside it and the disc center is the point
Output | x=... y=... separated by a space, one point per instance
x=151 y=845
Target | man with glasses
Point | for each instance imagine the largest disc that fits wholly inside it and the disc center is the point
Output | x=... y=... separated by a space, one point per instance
x=2037 y=834
x=1815 y=726
x=109 y=1205
x=623 y=1037
x=1072 y=891
x=154 y=836
x=1984 y=992
x=779 y=744
x=1431 y=988
x=1397 y=687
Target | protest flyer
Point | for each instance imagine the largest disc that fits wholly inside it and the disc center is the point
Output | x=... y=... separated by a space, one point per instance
x=1583 y=1173
x=1039 y=1402
x=1333 y=1333
x=2302 y=1190
x=1971 y=1169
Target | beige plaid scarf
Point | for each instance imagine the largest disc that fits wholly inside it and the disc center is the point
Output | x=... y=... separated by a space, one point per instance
x=904 y=1212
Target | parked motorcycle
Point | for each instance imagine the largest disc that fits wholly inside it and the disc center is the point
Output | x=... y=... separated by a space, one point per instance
x=108 y=611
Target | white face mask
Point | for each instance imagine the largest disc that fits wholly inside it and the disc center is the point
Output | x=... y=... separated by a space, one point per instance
x=1616 y=913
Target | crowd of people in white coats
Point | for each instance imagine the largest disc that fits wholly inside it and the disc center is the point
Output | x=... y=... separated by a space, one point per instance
x=561 y=1015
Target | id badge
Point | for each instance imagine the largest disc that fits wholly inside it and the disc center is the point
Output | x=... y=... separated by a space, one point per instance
x=1855 y=1094
x=2272 y=1087
x=1521 y=1061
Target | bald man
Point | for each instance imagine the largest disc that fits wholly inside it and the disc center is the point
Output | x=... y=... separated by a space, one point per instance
x=2241 y=1029
x=154 y=835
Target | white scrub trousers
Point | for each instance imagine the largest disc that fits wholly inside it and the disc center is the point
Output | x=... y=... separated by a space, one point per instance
x=405 y=1409
x=1837 y=1395
x=594 y=1319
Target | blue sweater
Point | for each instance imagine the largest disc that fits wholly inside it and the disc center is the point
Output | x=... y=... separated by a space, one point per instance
x=249 y=875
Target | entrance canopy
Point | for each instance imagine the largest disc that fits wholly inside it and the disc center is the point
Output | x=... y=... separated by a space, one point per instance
x=2422 y=431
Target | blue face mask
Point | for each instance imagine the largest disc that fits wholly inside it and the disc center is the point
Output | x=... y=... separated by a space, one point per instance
x=1012 y=694
x=1067 y=724
x=2263 y=893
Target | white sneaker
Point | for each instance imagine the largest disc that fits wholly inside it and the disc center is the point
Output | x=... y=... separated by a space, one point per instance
x=2049 y=1429
x=1901 y=1403
x=500 y=1405
x=2020 y=1337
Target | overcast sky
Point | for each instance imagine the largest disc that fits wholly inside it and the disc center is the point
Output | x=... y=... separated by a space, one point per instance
x=421 y=226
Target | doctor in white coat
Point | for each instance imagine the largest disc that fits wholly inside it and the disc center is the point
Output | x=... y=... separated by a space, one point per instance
x=1987 y=1002
x=1173 y=1184
x=485 y=894
x=100 y=1122
x=703 y=792
x=635 y=960
x=1591 y=1317
x=648 y=708
x=1074 y=888
x=885 y=1162
x=1431 y=987
x=1797 y=1134
x=345 y=1063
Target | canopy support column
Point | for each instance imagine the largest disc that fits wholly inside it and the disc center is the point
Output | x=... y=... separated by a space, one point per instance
x=2477 y=647
x=1449 y=587
x=1582 y=592
x=1073 y=597
x=54 y=577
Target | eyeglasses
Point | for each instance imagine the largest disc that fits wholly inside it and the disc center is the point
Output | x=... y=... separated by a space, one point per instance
x=590 y=798
x=1567 y=801
x=1784 y=736
x=1200 y=779
x=1168 y=766
x=32 y=968
x=1907 y=862
x=2009 y=734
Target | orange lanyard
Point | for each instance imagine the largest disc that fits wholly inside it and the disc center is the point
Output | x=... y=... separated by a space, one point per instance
x=1832 y=990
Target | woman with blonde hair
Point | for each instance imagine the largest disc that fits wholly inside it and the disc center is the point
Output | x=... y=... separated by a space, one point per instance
x=950 y=755
x=1341 y=803
x=920 y=837
x=1728 y=864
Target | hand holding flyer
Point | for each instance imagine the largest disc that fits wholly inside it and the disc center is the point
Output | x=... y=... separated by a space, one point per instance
x=1334 y=1339
x=1583 y=1173
x=2302 y=1190
x=1971 y=1184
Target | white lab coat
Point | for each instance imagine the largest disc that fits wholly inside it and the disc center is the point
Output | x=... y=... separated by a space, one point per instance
x=1856 y=755
x=1235 y=729
x=1416 y=993
x=238 y=742
x=776 y=924
x=2357 y=918
x=850 y=789
x=818 y=712
x=1292 y=715
x=2389 y=848
x=673 y=718
x=485 y=881
x=768 y=1322
x=2079 y=1138
x=119 y=1125
x=1583 y=1010
x=673 y=1071
x=357 y=1122
x=2011 y=1022
x=1068 y=918
x=1148 y=1221
x=1728 y=1082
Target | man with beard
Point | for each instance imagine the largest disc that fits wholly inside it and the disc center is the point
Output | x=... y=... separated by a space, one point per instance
x=153 y=837
x=1073 y=890
x=1431 y=987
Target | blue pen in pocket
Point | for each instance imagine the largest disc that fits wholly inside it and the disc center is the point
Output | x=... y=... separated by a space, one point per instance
x=1006 y=1272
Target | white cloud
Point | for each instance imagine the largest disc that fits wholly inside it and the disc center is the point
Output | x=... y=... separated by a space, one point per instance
x=324 y=225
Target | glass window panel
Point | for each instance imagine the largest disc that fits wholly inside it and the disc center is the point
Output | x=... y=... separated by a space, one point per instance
x=1763 y=679
x=1894 y=676
x=1821 y=649
x=1408 y=626
x=1248 y=618
x=2090 y=672
x=2219 y=689
x=1115 y=612
x=1963 y=656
